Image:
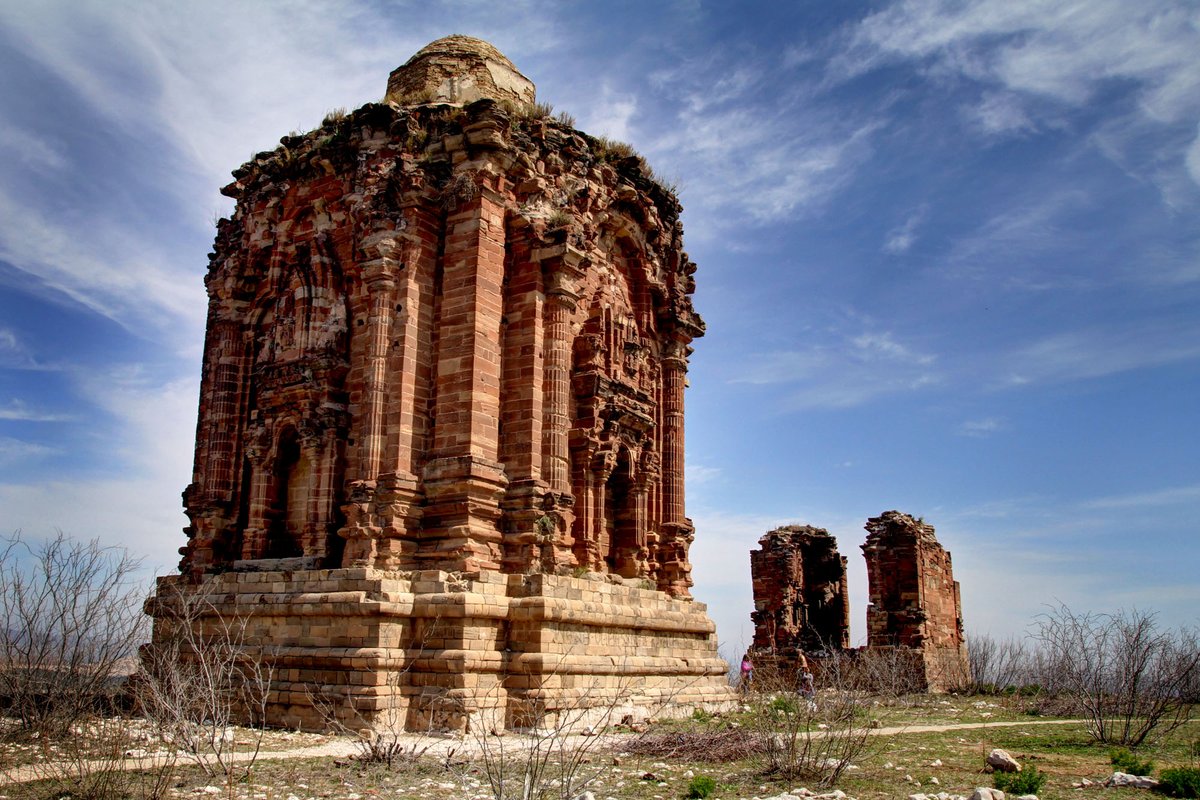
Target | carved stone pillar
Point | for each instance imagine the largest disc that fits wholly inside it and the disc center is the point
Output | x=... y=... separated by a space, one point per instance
x=674 y=376
x=257 y=446
x=361 y=530
x=563 y=270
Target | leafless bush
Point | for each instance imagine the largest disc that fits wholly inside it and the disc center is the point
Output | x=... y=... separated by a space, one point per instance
x=70 y=615
x=200 y=677
x=998 y=665
x=1127 y=677
x=890 y=673
x=88 y=761
x=553 y=758
x=814 y=737
x=714 y=746
x=383 y=739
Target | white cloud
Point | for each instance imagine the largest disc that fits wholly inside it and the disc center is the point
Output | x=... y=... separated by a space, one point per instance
x=980 y=428
x=1193 y=158
x=754 y=152
x=1009 y=249
x=15 y=451
x=1097 y=352
x=1001 y=113
x=136 y=504
x=1171 y=496
x=111 y=270
x=700 y=473
x=31 y=149
x=838 y=369
x=902 y=237
x=1066 y=52
x=18 y=410
x=610 y=114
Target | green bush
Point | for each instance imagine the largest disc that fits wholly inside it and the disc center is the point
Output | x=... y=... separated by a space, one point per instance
x=1027 y=781
x=1127 y=762
x=784 y=705
x=1180 y=782
x=701 y=787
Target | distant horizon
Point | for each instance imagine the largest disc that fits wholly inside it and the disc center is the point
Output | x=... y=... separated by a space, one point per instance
x=948 y=256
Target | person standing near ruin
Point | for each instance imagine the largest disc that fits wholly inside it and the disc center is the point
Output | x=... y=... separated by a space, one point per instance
x=747 y=673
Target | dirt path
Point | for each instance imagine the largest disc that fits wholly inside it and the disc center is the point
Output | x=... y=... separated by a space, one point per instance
x=437 y=745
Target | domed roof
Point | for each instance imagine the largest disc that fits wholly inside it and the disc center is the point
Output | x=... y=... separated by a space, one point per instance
x=458 y=69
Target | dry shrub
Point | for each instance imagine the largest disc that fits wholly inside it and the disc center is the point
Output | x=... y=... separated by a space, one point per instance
x=1130 y=679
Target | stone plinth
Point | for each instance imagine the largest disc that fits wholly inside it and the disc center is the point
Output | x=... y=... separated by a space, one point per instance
x=437 y=650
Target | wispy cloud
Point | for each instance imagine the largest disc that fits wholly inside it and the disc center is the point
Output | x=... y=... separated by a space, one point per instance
x=19 y=411
x=1010 y=249
x=700 y=473
x=1161 y=497
x=843 y=370
x=753 y=152
x=1098 y=352
x=980 y=428
x=1028 y=50
x=1000 y=113
x=15 y=451
x=30 y=148
x=902 y=237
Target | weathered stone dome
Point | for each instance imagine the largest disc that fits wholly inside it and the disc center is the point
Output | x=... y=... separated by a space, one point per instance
x=458 y=69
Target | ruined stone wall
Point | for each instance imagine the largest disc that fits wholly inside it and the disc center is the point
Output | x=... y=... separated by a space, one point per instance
x=448 y=335
x=914 y=599
x=801 y=601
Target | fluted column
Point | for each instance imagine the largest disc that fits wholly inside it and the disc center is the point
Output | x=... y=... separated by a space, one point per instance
x=563 y=272
x=674 y=376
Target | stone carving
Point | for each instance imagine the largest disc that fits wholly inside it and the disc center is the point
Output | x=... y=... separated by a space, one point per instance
x=423 y=360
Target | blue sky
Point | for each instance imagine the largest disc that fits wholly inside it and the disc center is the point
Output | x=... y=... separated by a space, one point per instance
x=949 y=258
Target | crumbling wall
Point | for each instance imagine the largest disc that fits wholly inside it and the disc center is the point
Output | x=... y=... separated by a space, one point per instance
x=914 y=599
x=800 y=595
x=801 y=603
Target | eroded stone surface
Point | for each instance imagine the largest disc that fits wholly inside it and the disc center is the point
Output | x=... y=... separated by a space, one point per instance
x=444 y=373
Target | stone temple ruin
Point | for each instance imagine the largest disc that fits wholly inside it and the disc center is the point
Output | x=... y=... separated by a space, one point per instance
x=801 y=598
x=439 y=459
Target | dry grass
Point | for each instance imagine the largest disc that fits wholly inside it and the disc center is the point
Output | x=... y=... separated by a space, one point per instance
x=660 y=762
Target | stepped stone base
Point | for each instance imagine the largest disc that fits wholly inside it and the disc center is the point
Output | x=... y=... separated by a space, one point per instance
x=431 y=650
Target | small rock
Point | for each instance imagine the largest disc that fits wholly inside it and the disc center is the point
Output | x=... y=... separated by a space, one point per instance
x=1136 y=781
x=916 y=797
x=586 y=796
x=932 y=779
x=937 y=762
x=987 y=793
x=888 y=765
x=1001 y=761
x=1027 y=797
